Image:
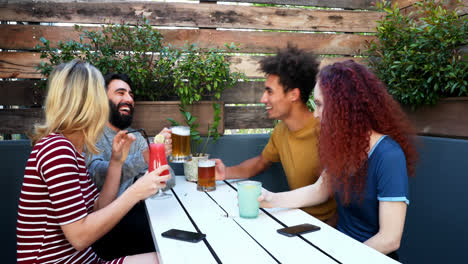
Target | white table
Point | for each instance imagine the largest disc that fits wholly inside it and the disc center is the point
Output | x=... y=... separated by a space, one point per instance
x=231 y=239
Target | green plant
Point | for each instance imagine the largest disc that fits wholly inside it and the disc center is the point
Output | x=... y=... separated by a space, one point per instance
x=158 y=71
x=203 y=74
x=418 y=56
x=136 y=50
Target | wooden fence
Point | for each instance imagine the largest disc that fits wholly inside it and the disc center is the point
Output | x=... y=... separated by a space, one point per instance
x=460 y=5
x=335 y=34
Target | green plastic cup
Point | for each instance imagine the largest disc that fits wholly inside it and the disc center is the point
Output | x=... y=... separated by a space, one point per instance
x=248 y=193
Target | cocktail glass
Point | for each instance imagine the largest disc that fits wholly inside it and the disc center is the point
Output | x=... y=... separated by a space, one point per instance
x=157 y=158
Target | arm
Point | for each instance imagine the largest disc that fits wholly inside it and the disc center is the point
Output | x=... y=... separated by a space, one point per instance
x=84 y=232
x=310 y=195
x=246 y=169
x=133 y=165
x=120 y=148
x=392 y=193
x=391 y=221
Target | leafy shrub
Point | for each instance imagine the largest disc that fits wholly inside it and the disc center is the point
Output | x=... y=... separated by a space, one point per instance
x=120 y=48
x=418 y=56
x=158 y=71
x=198 y=74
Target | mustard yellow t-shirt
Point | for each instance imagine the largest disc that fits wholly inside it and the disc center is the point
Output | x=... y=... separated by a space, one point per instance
x=298 y=153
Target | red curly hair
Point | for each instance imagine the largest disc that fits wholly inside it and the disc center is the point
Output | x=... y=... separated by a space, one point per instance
x=355 y=103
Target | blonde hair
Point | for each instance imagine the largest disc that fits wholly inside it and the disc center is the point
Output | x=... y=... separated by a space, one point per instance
x=76 y=101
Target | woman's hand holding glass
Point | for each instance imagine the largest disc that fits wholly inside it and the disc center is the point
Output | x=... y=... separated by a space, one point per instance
x=150 y=183
x=266 y=199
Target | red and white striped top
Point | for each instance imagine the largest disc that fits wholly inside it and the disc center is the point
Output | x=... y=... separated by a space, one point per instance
x=56 y=191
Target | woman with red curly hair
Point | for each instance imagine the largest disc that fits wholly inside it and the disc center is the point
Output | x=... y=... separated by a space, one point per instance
x=367 y=154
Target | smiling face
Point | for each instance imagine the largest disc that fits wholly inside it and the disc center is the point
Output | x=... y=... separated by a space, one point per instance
x=277 y=103
x=121 y=102
x=318 y=100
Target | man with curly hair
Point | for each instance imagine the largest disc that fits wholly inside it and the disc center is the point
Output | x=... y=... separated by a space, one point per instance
x=366 y=147
x=294 y=141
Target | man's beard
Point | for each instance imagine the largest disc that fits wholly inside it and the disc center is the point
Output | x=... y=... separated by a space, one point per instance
x=118 y=120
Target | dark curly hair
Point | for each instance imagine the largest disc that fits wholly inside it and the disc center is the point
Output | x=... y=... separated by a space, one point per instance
x=117 y=76
x=356 y=102
x=295 y=68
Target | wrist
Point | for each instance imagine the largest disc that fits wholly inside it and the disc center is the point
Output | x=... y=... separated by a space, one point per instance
x=115 y=162
x=113 y=158
x=273 y=199
x=227 y=174
x=131 y=195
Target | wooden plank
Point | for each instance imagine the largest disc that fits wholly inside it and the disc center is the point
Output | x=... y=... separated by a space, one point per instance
x=246 y=117
x=26 y=93
x=22 y=64
x=194 y=15
x=464 y=50
x=235 y=117
x=249 y=64
x=26 y=37
x=349 y=4
x=152 y=116
x=244 y=93
x=447 y=118
x=149 y=115
x=19 y=121
x=19 y=65
x=404 y=3
x=462 y=8
x=450 y=4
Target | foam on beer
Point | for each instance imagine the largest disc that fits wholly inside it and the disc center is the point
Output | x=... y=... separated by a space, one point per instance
x=181 y=131
x=206 y=163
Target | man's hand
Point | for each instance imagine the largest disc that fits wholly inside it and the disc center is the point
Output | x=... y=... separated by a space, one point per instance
x=121 y=145
x=167 y=133
x=220 y=170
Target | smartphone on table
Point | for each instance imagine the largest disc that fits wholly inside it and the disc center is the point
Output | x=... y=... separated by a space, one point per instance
x=298 y=229
x=184 y=235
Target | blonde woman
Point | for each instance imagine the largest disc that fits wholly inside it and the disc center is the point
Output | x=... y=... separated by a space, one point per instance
x=61 y=213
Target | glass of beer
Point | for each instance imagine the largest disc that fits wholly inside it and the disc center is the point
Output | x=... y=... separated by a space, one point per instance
x=206 y=176
x=180 y=144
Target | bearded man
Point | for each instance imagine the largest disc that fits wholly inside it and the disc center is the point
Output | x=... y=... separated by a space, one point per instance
x=133 y=229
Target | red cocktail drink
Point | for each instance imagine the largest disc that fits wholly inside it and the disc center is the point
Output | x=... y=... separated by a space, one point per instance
x=157 y=157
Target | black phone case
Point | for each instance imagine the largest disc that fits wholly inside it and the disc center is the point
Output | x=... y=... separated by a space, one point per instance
x=184 y=235
x=286 y=231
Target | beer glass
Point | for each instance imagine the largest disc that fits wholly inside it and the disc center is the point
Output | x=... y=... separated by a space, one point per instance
x=206 y=175
x=180 y=144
